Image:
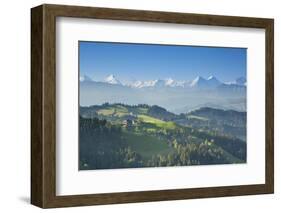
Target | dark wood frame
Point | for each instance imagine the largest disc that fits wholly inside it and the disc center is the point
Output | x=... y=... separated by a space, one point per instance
x=43 y=105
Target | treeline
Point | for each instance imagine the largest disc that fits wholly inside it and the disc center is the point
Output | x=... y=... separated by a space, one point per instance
x=106 y=104
x=191 y=154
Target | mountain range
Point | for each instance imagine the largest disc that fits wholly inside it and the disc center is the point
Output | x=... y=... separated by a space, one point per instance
x=198 y=82
x=175 y=96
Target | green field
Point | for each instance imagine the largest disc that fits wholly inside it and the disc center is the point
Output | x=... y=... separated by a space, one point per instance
x=157 y=122
x=106 y=112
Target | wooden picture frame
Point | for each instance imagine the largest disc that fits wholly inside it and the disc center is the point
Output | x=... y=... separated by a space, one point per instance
x=43 y=105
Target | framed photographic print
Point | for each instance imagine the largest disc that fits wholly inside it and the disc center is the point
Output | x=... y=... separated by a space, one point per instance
x=136 y=106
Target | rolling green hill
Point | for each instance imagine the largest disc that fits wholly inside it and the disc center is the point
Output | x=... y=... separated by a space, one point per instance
x=126 y=136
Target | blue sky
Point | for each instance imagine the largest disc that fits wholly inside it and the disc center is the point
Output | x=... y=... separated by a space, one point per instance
x=130 y=62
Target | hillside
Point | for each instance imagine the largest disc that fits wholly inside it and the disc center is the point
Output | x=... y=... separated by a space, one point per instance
x=224 y=122
x=151 y=136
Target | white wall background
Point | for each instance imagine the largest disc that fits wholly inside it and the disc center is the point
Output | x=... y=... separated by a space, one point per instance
x=15 y=105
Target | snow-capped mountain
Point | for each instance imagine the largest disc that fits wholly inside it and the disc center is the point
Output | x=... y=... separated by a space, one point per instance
x=111 y=79
x=169 y=93
x=85 y=78
x=241 y=81
x=150 y=83
x=141 y=84
x=200 y=82
x=136 y=84
x=172 y=83
x=213 y=81
x=158 y=83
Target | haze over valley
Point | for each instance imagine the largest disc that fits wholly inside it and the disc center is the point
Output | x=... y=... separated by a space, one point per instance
x=176 y=96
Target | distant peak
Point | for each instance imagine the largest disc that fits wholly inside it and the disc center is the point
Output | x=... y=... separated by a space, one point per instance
x=111 y=79
x=211 y=77
x=85 y=78
x=111 y=76
x=169 y=81
x=197 y=81
x=199 y=78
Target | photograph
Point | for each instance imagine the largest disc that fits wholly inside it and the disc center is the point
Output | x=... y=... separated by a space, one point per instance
x=161 y=105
